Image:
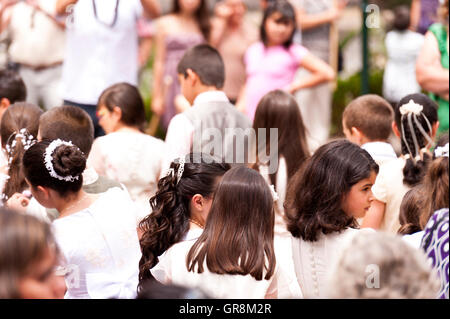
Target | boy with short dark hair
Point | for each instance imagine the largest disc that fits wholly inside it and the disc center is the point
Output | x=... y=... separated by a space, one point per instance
x=367 y=122
x=201 y=73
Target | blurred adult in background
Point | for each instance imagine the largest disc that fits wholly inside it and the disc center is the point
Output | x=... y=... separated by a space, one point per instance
x=403 y=47
x=315 y=18
x=432 y=65
x=28 y=258
x=101 y=48
x=232 y=36
x=423 y=14
x=37 y=48
x=186 y=26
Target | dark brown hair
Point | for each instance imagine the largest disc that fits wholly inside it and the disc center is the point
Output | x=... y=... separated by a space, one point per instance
x=414 y=171
x=411 y=209
x=238 y=235
x=69 y=123
x=206 y=62
x=24 y=240
x=129 y=100
x=402 y=19
x=12 y=86
x=372 y=115
x=66 y=160
x=17 y=117
x=315 y=194
x=169 y=221
x=280 y=110
x=202 y=16
x=436 y=188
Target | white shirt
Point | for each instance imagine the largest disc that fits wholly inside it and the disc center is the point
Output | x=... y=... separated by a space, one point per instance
x=180 y=131
x=283 y=284
x=101 y=247
x=381 y=152
x=414 y=239
x=98 y=56
x=399 y=77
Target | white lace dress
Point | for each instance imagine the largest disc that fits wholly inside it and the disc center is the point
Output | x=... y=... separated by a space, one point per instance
x=133 y=159
x=100 y=248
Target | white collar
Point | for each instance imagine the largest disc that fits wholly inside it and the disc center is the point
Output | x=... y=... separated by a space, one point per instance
x=211 y=96
x=380 y=149
x=90 y=176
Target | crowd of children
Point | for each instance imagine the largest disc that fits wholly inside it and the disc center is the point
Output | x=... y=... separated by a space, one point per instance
x=204 y=213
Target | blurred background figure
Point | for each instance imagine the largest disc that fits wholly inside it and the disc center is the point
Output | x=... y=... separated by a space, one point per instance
x=186 y=26
x=423 y=14
x=28 y=258
x=315 y=19
x=433 y=63
x=390 y=269
x=153 y=289
x=36 y=48
x=101 y=48
x=403 y=47
x=232 y=35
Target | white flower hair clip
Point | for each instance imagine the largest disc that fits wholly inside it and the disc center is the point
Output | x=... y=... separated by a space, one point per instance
x=441 y=151
x=411 y=107
x=274 y=193
x=48 y=160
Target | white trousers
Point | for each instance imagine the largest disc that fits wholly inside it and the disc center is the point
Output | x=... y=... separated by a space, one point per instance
x=43 y=87
x=315 y=107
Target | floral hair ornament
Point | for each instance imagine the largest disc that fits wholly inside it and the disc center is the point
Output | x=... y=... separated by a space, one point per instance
x=274 y=193
x=48 y=158
x=171 y=171
x=26 y=138
x=441 y=151
x=412 y=110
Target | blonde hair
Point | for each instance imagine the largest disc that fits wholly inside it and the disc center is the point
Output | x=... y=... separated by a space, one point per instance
x=402 y=271
x=24 y=239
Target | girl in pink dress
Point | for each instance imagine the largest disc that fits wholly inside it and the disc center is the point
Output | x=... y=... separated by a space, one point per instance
x=273 y=62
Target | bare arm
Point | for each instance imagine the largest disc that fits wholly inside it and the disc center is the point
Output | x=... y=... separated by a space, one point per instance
x=310 y=21
x=429 y=72
x=320 y=72
x=415 y=14
x=219 y=23
x=152 y=8
x=5 y=13
x=374 y=215
x=158 y=69
x=61 y=6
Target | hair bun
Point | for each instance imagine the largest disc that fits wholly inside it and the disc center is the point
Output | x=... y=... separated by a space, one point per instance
x=69 y=161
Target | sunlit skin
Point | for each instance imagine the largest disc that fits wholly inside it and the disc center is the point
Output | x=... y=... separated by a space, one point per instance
x=189 y=7
x=357 y=201
x=40 y=280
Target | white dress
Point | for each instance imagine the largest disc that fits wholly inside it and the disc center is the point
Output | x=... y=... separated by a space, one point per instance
x=316 y=259
x=100 y=248
x=283 y=284
x=133 y=159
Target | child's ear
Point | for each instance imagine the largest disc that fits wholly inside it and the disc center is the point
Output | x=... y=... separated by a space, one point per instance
x=434 y=129
x=192 y=76
x=197 y=202
x=395 y=129
x=357 y=134
x=117 y=112
x=4 y=103
x=43 y=192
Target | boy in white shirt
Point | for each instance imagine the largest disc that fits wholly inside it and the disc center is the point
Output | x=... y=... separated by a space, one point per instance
x=367 y=122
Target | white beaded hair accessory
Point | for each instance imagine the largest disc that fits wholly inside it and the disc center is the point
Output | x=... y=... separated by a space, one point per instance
x=274 y=193
x=171 y=171
x=411 y=107
x=441 y=151
x=48 y=160
x=26 y=138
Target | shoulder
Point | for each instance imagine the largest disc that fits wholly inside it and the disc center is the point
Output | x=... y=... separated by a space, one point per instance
x=298 y=50
x=256 y=47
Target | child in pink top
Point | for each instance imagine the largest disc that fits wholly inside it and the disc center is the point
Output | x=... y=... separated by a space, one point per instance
x=273 y=62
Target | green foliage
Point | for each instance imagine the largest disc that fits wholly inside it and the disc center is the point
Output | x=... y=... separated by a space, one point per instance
x=349 y=89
